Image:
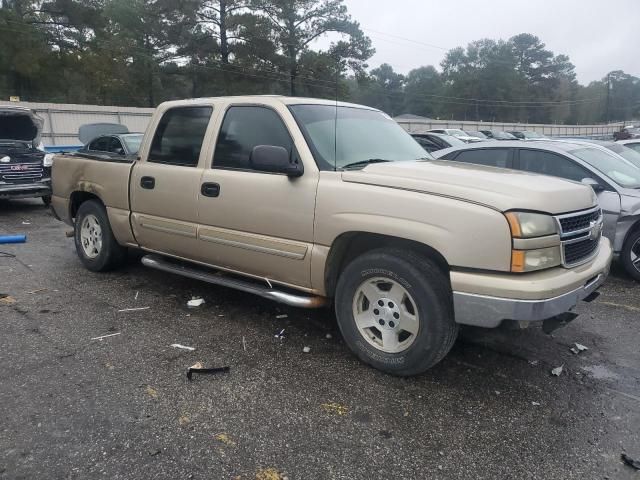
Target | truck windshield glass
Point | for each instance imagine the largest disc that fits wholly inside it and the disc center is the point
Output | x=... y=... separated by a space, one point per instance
x=626 y=153
x=362 y=136
x=619 y=170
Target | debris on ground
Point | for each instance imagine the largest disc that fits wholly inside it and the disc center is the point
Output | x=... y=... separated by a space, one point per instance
x=224 y=438
x=198 y=368
x=32 y=292
x=195 y=302
x=182 y=347
x=630 y=461
x=13 y=238
x=7 y=299
x=26 y=222
x=557 y=371
x=136 y=297
x=105 y=336
x=69 y=233
x=306 y=349
x=268 y=474
x=152 y=392
x=136 y=309
x=284 y=315
x=280 y=334
x=535 y=404
x=577 y=348
x=328 y=336
x=533 y=363
x=336 y=408
x=244 y=344
x=183 y=420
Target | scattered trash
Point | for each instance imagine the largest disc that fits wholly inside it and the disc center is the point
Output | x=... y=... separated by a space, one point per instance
x=335 y=408
x=7 y=299
x=328 y=336
x=69 y=233
x=136 y=297
x=224 y=438
x=152 y=392
x=183 y=420
x=280 y=335
x=32 y=292
x=630 y=461
x=197 y=368
x=577 y=348
x=557 y=371
x=153 y=453
x=183 y=347
x=533 y=363
x=195 y=302
x=306 y=349
x=7 y=255
x=105 y=336
x=268 y=474
x=535 y=404
x=284 y=315
x=497 y=392
x=244 y=344
x=26 y=222
x=137 y=309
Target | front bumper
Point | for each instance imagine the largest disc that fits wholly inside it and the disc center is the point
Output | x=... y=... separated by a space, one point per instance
x=491 y=311
x=29 y=190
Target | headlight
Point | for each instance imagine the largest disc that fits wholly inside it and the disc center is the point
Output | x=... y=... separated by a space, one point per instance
x=539 y=259
x=530 y=225
x=48 y=160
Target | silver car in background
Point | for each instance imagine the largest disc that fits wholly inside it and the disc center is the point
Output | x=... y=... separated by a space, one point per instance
x=614 y=178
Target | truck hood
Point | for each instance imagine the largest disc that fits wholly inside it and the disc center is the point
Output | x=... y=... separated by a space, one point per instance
x=20 y=124
x=497 y=188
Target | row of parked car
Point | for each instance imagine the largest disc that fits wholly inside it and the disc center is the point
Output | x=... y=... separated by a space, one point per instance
x=611 y=168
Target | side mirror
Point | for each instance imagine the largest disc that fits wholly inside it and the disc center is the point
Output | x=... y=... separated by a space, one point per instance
x=269 y=158
x=593 y=184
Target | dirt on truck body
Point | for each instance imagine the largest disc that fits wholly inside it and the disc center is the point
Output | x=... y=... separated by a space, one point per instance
x=311 y=203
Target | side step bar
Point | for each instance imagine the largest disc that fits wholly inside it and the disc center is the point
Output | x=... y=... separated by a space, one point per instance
x=302 y=301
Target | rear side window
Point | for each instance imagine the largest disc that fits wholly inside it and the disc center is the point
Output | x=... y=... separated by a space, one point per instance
x=492 y=157
x=546 y=163
x=100 y=144
x=245 y=127
x=179 y=136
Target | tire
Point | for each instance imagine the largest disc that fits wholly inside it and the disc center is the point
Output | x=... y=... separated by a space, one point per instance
x=630 y=254
x=419 y=299
x=101 y=252
x=46 y=200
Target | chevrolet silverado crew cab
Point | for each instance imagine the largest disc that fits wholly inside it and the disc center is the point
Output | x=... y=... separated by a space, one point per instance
x=311 y=202
x=25 y=169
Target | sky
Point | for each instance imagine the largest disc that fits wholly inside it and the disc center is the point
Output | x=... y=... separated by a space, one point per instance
x=598 y=36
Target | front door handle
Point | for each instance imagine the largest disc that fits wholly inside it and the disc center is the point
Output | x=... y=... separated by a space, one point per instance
x=210 y=189
x=148 y=182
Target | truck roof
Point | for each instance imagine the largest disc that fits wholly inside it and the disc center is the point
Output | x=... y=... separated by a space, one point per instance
x=268 y=99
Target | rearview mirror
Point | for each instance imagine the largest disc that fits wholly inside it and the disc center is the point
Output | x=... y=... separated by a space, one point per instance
x=593 y=184
x=269 y=158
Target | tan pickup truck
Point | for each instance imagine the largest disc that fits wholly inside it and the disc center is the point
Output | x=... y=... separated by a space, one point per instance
x=312 y=203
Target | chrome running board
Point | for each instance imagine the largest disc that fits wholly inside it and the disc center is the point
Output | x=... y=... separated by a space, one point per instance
x=219 y=278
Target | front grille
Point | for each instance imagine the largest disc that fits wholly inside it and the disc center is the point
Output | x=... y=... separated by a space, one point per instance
x=578 y=251
x=579 y=222
x=580 y=236
x=21 y=173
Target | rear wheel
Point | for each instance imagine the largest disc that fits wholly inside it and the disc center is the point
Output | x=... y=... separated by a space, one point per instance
x=95 y=244
x=394 y=311
x=630 y=254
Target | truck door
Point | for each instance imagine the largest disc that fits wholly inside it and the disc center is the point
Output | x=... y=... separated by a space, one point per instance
x=164 y=185
x=255 y=222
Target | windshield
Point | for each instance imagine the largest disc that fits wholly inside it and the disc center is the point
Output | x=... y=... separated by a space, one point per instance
x=362 y=135
x=626 y=153
x=473 y=133
x=503 y=136
x=133 y=142
x=456 y=133
x=530 y=134
x=619 y=170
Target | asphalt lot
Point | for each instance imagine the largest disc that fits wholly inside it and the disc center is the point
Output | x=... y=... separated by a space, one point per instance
x=121 y=407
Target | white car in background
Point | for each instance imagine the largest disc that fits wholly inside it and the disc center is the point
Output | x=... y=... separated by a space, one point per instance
x=456 y=132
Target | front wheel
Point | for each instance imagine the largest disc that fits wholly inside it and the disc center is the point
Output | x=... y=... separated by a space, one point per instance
x=395 y=311
x=630 y=255
x=95 y=244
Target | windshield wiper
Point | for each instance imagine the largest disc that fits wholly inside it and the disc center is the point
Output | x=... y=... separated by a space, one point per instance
x=364 y=163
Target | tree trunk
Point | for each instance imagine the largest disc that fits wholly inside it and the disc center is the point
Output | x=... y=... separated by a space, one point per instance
x=224 y=43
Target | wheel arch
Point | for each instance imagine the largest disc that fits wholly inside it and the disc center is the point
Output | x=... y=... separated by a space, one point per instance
x=350 y=245
x=79 y=197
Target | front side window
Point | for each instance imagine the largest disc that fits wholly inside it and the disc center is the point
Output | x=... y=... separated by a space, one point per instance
x=115 y=146
x=619 y=170
x=340 y=136
x=179 y=136
x=492 y=157
x=546 y=163
x=246 y=127
x=100 y=144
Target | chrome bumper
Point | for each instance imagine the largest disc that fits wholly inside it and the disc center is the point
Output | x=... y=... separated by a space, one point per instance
x=490 y=312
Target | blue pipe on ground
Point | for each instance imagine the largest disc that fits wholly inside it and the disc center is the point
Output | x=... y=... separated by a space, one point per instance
x=13 y=238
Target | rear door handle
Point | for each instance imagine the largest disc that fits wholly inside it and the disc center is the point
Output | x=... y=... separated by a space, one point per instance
x=148 y=182
x=210 y=189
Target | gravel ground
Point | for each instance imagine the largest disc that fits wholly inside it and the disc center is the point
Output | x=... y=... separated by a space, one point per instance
x=121 y=407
